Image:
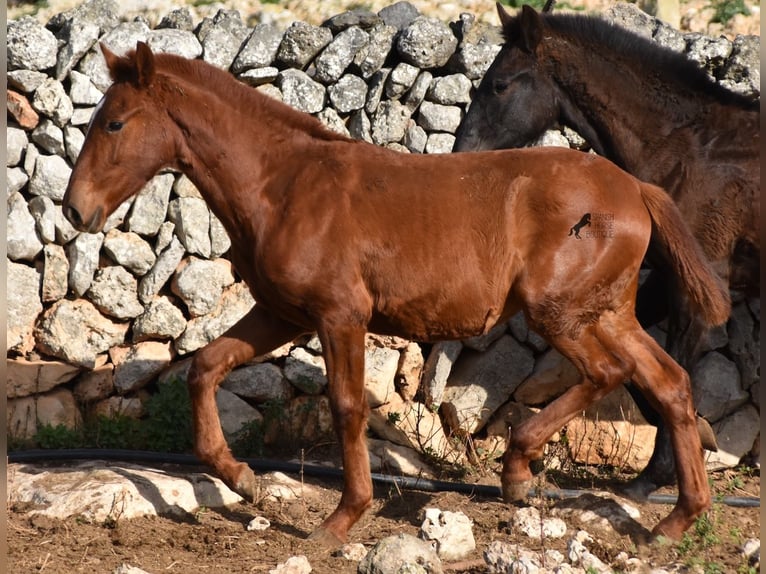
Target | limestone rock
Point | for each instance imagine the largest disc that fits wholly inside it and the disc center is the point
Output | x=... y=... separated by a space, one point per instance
x=23 y=305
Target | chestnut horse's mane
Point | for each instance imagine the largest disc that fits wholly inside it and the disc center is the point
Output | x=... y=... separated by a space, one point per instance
x=674 y=68
x=232 y=91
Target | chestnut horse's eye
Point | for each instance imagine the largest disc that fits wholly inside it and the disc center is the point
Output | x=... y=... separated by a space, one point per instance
x=114 y=126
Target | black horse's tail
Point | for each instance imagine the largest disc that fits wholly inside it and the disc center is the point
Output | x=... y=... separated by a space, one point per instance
x=705 y=290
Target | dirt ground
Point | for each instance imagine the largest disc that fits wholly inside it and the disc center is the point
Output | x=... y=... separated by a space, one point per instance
x=216 y=540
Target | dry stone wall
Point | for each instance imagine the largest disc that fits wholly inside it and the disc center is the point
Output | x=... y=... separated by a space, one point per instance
x=97 y=321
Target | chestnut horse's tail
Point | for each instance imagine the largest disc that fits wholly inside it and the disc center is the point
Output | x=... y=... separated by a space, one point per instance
x=705 y=291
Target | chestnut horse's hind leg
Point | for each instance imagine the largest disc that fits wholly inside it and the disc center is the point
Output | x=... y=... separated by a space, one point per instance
x=343 y=348
x=255 y=334
x=666 y=385
x=602 y=369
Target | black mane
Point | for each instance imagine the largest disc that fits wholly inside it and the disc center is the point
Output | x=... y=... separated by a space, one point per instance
x=672 y=67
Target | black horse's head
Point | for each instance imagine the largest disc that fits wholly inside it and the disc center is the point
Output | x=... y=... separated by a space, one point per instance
x=516 y=100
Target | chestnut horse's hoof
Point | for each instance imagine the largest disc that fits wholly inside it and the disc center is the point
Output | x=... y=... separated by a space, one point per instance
x=248 y=486
x=515 y=491
x=326 y=539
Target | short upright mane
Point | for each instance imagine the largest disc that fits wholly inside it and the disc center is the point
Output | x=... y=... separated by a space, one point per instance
x=239 y=94
x=672 y=67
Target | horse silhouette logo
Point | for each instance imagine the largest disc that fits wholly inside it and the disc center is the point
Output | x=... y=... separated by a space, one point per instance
x=575 y=229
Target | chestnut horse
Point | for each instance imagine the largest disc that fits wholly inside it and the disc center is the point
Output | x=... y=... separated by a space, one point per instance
x=341 y=237
x=658 y=116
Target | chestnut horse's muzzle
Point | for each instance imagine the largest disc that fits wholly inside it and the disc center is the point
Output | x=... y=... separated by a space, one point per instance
x=91 y=225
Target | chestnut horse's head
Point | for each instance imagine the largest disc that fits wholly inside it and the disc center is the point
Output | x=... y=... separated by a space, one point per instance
x=516 y=100
x=126 y=144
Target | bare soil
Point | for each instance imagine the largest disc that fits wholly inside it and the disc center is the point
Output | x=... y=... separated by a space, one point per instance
x=216 y=540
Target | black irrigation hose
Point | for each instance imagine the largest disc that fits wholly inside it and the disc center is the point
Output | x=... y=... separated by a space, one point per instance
x=269 y=465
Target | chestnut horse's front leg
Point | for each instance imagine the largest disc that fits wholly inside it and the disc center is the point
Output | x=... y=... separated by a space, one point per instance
x=343 y=348
x=255 y=334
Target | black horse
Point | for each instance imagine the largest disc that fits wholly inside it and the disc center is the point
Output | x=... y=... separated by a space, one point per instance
x=658 y=116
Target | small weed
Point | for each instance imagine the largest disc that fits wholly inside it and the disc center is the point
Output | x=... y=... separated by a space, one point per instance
x=725 y=10
x=394 y=417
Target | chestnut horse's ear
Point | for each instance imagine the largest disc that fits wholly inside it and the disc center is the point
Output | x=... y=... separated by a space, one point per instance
x=144 y=64
x=111 y=59
x=531 y=29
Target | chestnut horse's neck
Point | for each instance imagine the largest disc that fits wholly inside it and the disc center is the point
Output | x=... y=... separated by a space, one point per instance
x=632 y=99
x=234 y=139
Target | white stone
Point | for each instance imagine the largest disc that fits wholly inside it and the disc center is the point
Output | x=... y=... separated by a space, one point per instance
x=451 y=532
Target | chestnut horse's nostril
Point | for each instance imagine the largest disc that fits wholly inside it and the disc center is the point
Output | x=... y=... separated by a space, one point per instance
x=73 y=216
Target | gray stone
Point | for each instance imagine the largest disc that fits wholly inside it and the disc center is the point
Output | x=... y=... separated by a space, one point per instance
x=119 y=39
x=305 y=371
x=22 y=242
x=129 y=250
x=359 y=126
x=331 y=119
x=437 y=369
x=381 y=364
x=399 y=15
x=163 y=269
x=76 y=332
x=165 y=235
x=200 y=283
x=73 y=141
x=474 y=59
x=183 y=187
x=668 y=37
x=140 y=365
x=450 y=532
x=400 y=79
x=220 y=47
x=78 y=36
x=219 y=237
x=95 y=384
x=417 y=92
x=742 y=71
x=415 y=138
x=192 y=221
x=161 y=319
x=259 y=76
x=438 y=118
x=356 y=17
x=426 y=43
x=29 y=45
x=348 y=94
x=178 y=19
x=64 y=230
x=235 y=413
x=103 y=13
x=51 y=100
x=440 y=143
x=150 y=206
x=631 y=17
x=81 y=116
x=389 y=123
x=710 y=53
x=300 y=91
x=55 y=282
x=16 y=179
x=719 y=390
x=301 y=43
x=339 y=53
x=83 y=255
x=175 y=41
x=450 y=90
x=49 y=137
x=50 y=177
x=26 y=80
x=16 y=142
x=735 y=436
x=481 y=382
x=529 y=521
x=553 y=374
x=23 y=306
x=261 y=383
x=114 y=292
x=371 y=57
x=235 y=302
x=399 y=554
x=30 y=158
x=552 y=138
x=260 y=49
x=744 y=344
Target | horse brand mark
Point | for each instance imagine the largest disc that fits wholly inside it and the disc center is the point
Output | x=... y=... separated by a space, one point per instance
x=600 y=226
x=575 y=229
